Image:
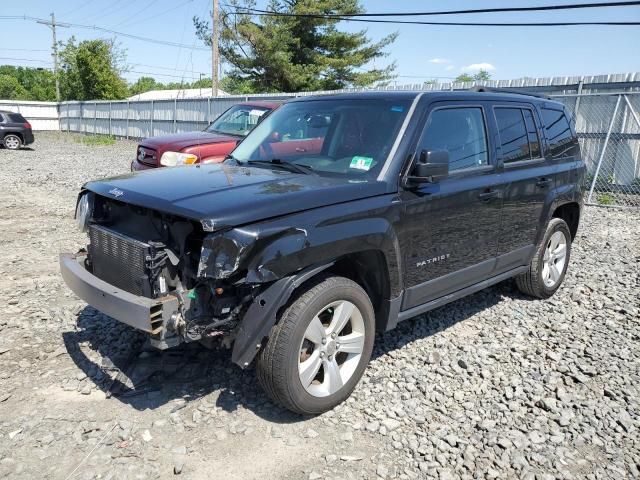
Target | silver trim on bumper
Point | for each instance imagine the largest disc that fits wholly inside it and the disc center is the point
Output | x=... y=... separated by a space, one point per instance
x=146 y=314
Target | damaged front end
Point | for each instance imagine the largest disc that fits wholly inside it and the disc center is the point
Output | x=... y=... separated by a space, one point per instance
x=182 y=280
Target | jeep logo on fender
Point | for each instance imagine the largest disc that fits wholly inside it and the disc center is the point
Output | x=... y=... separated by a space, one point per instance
x=116 y=192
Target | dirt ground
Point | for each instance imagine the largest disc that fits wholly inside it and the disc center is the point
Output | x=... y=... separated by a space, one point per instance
x=495 y=386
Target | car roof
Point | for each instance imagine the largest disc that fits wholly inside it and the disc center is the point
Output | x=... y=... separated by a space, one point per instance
x=434 y=96
x=263 y=103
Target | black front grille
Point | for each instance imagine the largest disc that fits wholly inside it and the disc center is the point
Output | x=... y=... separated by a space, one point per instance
x=119 y=260
x=147 y=155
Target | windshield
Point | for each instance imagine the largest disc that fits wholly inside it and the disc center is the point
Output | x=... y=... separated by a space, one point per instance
x=350 y=137
x=238 y=120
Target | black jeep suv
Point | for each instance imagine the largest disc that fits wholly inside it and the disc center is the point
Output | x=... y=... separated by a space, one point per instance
x=337 y=216
x=15 y=131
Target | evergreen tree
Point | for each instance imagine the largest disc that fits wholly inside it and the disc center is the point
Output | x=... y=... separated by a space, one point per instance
x=292 y=54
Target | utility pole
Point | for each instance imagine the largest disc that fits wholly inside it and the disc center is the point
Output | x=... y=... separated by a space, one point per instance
x=214 y=50
x=52 y=25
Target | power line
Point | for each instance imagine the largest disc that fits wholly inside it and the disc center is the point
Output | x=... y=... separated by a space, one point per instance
x=266 y=13
x=542 y=8
x=162 y=74
x=26 y=60
x=133 y=16
x=163 y=68
x=146 y=19
x=107 y=30
x=25 y=49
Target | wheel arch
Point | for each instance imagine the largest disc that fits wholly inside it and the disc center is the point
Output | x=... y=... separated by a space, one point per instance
x=367 y=268
x=570 y=213
x=17 y=134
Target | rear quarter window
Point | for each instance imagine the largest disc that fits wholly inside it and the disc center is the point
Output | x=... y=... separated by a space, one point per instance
x=16 y=118
x=558 y=132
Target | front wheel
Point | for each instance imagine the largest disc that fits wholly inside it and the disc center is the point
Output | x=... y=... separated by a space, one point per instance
x=319 y=349
x=549 y=265
x=12 y=142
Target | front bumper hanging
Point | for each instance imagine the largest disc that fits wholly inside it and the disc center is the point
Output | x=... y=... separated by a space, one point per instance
x=147 y=314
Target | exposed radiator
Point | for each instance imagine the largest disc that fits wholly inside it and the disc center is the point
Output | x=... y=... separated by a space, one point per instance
x=119 y=260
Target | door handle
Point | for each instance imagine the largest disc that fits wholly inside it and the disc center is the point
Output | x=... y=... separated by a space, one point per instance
x=543 y=182
x=488 y=194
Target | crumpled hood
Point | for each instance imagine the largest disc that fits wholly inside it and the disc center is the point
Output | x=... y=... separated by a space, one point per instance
x=178 y=141
x=231 y=195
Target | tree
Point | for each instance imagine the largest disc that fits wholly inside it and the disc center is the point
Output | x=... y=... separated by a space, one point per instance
x=145 y=84
x=291 y=54
x=10 y=89
x=91 y=70
x=36 y=83
x=481 y=76
x=464 y=77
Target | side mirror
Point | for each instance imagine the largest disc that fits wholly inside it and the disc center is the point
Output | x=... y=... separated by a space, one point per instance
x=430 y=167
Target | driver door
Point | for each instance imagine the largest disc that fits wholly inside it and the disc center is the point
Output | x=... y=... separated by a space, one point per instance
x=452 y=225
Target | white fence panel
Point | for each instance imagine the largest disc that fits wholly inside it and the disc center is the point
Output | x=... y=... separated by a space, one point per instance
x=41 y=115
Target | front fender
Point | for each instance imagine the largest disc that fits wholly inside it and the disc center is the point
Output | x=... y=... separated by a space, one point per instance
x=270 y=251
x=262 y=314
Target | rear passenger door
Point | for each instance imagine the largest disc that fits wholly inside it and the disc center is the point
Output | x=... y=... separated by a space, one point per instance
x=528 y=179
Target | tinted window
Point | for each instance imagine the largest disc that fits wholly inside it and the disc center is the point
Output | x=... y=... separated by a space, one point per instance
x=513 y=134
x=459 y=131
x=16 y=118
x=558 y=133
x=532 y=134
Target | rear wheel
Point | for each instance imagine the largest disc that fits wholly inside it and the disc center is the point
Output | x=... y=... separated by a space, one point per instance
x=549 y=265
x=319 y=350
x=12 y=142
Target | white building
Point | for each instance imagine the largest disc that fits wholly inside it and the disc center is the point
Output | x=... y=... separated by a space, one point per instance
x=178 y=93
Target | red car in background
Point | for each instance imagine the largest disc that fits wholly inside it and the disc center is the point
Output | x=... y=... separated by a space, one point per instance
x=211 y=145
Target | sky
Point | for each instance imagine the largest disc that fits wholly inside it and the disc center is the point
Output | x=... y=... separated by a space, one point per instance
x=420 y=52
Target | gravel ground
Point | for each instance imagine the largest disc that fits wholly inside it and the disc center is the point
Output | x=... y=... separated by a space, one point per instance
x=492 y=386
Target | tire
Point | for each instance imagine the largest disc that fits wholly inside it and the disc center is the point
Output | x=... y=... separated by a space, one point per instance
x=541 y=280
x=324 y=302
x=12 y=142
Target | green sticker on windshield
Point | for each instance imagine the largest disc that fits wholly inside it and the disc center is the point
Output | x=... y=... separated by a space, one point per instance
x=361 y=163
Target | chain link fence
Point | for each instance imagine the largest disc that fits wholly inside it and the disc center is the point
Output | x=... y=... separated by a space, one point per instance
x=608 y=127
x=606 y=110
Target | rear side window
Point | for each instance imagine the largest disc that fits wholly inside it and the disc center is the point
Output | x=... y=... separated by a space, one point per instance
x=459 y=131
x=518 y=134
x=16 y=118
x=558 y=133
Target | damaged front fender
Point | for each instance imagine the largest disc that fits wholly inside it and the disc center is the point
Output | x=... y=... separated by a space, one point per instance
x=224 y=254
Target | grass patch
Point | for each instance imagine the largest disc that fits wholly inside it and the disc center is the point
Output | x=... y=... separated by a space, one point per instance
x=605 y=199
x=93 y=140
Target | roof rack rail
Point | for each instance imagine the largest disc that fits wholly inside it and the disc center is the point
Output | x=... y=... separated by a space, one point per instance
x=479 y=88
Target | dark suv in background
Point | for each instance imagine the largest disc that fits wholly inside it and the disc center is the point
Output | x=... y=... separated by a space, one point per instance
x=335 y=217
x=15 y=131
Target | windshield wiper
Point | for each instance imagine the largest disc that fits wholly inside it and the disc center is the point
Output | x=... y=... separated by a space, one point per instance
x=292 y=167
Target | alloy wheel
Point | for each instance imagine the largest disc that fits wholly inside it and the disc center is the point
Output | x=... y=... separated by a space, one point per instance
x=331 y=348
x=555 y=257
x=12 y=142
